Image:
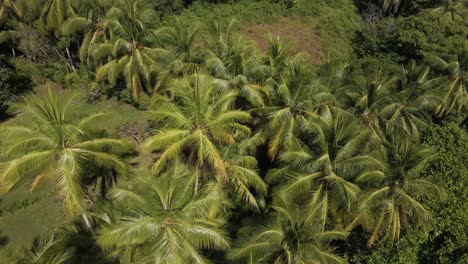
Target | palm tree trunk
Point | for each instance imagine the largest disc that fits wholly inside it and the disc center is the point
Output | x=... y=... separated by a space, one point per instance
x=403 y=217
x=87 y=222
x=70 y=60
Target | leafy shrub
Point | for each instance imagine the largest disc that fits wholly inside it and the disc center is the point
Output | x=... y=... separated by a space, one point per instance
x=12 y=84
x=416 y=36
x=450 y=169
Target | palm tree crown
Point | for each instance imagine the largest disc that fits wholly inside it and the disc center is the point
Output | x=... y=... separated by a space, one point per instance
x=164 y=221
x=51 y=142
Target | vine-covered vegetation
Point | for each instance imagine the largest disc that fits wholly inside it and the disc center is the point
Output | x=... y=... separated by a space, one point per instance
x=267 y=131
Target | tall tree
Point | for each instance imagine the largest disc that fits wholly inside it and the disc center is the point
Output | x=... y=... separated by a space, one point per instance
x=319 y=173
x=200 y=125
x=452 y=91
x=129 y=24
x=289 y=236
x=165 y=221
x=50 y=142
x=294 y=100
x=46 y=250
x=54 y=15
x=236 y=61
x=393 y=197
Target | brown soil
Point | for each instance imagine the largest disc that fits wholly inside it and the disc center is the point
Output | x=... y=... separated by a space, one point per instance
x=301 y=36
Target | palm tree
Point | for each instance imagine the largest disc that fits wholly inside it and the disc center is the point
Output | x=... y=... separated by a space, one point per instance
x=408 y=106
x=128 y=24
x=277 y=56
x=452 y=90
x=89 y=20
x=392 y=6
x=132 y=61
x=236 y=61
x=54 y=15
x=293 y=101
x=7 y=6
x=179 y=40
x=395 y=194
x=200 y=118
x=46 y=250
x=51 y=142
x=319 y=172
x=366 y=96
x=455 y=9
x=201 y=126
x=289 y=237
x=164 y=221
x=241 y=166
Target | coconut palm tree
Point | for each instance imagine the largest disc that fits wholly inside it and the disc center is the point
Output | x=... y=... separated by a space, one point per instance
x=6 y=7
x=277 y=56
x=452 y=90
x=46 y=250
x=288 y=237
x=236 y=61
x=51 y=142
x=200 y=118
x=179 y=40
x=131 y=60
x=201 y=126
x=54 y=15
x=88 y=21
x=164 y=221
x=128 y=24
x=365 y=96
x=293 y=101
x=406 y=110
x=319 y=172
x=455 y=9
x=393 y=197
x=247 y=187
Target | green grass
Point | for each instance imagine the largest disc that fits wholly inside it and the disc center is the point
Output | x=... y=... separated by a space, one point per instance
x=117 y=114
x=22 y=226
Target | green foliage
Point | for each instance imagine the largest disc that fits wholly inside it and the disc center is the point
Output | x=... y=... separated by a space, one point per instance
x=246 y=11
x=12 y=84
x=246 y=152
x=165 y=219
x=415 y=36
x=52 y=143
x=405 y=251
x=450 y=170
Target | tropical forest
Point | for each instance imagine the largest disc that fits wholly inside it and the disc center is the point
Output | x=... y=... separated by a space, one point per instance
x=233 y=131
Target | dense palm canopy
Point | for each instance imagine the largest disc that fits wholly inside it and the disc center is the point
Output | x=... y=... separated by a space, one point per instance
x=50 y=142
x=292 y=104
x=200 y=126
x=452 y=90
x=201 y=118
x=128 y=24
x=235 y=60
x=318 y=174
x=165 y=221
x=290 y=237
x=245 y=151
x=393 y=199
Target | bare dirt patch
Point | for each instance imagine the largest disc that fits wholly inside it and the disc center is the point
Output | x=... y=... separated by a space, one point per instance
x=301 y=36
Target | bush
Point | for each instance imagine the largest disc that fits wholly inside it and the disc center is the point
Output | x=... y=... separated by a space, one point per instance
x=450 y=170
x=245 y=11
x=412 y=37
x=12 y=84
